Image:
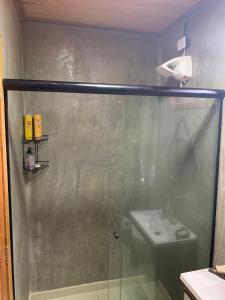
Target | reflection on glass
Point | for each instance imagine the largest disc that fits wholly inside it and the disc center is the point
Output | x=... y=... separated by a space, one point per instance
x=168 y=174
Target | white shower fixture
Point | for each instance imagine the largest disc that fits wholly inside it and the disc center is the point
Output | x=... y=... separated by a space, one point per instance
x=180 y=68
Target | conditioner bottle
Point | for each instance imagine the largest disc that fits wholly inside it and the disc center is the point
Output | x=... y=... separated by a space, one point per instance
x=38 y=127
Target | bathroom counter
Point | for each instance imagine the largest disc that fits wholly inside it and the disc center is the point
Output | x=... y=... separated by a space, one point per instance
x=203 y=285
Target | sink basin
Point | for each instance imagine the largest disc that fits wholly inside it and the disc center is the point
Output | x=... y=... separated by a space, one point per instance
x=157 y=229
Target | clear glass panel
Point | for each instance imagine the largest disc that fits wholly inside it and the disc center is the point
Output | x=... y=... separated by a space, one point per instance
x=65 y=208
x=169 y=170
x=126 y=201
x=115 y=203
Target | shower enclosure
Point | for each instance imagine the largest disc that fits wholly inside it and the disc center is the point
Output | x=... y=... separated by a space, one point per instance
x=129 y=199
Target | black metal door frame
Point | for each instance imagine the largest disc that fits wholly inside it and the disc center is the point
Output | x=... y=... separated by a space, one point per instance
x=113 y=89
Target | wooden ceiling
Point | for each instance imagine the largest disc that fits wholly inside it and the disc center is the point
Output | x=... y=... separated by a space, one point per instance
x=133 y=15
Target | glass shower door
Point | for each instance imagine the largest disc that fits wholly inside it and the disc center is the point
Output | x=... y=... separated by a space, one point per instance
x=114 y=240
x=115 y=198
x=139 y=167
x=168 y=193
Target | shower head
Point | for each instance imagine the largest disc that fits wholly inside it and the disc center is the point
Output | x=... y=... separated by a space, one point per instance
x=180 y=68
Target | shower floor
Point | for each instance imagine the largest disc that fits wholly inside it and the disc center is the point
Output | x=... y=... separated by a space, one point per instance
x=133 y=288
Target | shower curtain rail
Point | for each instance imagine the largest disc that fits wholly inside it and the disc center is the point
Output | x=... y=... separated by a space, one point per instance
x=109 y=89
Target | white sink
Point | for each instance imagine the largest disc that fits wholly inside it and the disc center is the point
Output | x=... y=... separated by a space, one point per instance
x=158 y=229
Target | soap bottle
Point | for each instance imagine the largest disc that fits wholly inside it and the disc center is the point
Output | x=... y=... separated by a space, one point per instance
x=29 y=161
x=28 y=127
x=38 y=127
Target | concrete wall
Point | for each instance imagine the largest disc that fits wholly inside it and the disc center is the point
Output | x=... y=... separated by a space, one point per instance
x=207 y=49
x=69 y=203
x=187 y=143
x=10 y=30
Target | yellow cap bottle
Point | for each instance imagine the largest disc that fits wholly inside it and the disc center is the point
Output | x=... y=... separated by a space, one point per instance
x=28 y=127
x=38 y=127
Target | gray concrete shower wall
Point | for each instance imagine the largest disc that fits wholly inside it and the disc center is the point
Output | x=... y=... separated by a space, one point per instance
x=206 y=30
x=69 y=201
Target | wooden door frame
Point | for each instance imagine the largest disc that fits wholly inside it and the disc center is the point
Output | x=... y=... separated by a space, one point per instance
x=6 y=283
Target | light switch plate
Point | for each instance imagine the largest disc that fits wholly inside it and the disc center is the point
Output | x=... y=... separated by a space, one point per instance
x=182 y=43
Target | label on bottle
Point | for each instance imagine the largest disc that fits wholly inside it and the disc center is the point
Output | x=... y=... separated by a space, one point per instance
x=37 y=126
x=28 y=127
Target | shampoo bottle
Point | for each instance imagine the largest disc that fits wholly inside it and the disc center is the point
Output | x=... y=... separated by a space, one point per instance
x=28 y=128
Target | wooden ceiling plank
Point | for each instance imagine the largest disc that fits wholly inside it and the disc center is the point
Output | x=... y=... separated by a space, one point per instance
x=145 y=14
x=185 y=3
x=116 y=12
x=92 y=20
x=155 y=28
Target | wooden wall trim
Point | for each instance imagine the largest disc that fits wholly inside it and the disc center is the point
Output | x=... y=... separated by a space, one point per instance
x=6 y=288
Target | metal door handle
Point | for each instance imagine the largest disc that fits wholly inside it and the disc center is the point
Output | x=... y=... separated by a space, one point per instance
x=116 y=235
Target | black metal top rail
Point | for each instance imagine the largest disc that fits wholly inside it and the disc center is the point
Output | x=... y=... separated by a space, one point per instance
x=110 y=89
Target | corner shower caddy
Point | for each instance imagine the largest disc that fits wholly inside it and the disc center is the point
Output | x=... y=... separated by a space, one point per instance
x=37 y=143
